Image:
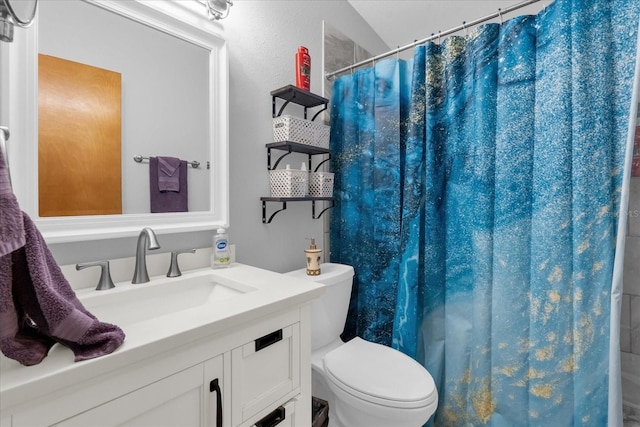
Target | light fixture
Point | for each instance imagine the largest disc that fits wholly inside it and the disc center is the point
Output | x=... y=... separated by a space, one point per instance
x=218 y=9
x=20 y=13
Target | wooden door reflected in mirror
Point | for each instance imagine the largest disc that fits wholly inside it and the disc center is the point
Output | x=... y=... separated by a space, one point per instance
x=79 y=147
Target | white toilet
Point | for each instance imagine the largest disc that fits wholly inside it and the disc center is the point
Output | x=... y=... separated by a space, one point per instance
x=366 y=384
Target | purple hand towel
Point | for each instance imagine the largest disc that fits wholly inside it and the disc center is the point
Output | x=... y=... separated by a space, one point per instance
x=167 y=201
x=168 y=174
x=38 y=308
x=11 y=228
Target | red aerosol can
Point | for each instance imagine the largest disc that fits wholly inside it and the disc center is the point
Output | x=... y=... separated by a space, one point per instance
x=303 y=68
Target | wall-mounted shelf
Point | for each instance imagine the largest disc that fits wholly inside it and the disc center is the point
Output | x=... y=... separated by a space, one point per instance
x=290 y=93
x=284 y=201
x=293 y=94
x=294 y=147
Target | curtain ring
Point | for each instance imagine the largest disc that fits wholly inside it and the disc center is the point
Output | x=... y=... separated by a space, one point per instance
x=439 y=35
x=466 y=33
x=398 y=53
x=500 y=14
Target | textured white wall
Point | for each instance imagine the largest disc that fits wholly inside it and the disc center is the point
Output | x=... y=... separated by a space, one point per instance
x=630 y=316
x=263 y=39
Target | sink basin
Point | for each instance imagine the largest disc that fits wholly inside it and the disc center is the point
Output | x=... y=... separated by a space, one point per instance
x=128 y=304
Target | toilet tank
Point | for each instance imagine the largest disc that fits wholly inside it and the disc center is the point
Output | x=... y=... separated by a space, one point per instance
x=329 y=312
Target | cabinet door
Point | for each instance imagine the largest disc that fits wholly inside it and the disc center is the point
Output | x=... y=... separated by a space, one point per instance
x=182 y=399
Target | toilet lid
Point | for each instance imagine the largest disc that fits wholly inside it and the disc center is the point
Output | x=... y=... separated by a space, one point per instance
x=380 y=375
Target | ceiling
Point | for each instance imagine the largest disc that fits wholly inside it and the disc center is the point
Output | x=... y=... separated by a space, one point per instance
x=401 y=22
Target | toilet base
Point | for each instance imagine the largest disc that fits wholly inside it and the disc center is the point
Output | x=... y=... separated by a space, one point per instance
x=365 y=414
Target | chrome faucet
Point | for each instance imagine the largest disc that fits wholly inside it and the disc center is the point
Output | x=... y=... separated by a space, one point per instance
x=146 y=240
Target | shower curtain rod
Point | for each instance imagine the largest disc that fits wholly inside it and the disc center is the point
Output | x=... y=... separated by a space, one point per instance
x=464 y=26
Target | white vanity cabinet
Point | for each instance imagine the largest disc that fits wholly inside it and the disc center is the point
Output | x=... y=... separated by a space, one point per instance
x=252 y=375
x=240 y=351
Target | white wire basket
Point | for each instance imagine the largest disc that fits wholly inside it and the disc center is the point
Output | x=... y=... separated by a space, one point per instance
x=321 y=184
x=289 y=183
x=295 y=129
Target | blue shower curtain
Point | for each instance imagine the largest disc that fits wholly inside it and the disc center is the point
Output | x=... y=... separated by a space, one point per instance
x=479 y=189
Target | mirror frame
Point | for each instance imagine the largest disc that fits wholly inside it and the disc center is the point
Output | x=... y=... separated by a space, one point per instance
x=183 y=19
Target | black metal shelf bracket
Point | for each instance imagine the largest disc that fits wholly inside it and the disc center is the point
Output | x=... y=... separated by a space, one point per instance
x=292 y=147
x=317 y=113
x=298 y=96
x=313 y=209
x=269 y=167
x=284 y=201
x=284 y=105
x=264 y=212
x=319 y=164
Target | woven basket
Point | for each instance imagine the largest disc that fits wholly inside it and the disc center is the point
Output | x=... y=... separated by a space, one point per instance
x=295 y=129
x=321 y=184
x=289 y=183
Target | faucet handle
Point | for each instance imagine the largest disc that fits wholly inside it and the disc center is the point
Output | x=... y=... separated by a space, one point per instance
x=105 y=281
x=174 y=269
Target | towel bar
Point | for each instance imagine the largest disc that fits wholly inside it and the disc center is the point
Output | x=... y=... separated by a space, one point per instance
x=194 y=164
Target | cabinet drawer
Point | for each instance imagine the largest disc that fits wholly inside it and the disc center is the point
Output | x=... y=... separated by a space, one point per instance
x=283 y=416
x=265 y=372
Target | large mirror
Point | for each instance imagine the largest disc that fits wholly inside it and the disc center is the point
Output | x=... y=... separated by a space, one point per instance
x=171 y=67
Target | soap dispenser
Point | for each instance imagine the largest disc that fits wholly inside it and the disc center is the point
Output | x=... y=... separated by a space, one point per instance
x=313 y=255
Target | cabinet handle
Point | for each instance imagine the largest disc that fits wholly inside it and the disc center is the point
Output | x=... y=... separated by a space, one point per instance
x=273 y=419
x=214 y=386
x=268 y=339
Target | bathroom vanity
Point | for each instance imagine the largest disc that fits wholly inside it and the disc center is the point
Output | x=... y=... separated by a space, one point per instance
x=216 y=348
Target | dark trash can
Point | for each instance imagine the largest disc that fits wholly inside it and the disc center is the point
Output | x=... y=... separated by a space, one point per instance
x=320 y=412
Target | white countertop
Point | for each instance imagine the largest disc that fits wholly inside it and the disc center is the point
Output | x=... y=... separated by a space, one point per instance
x=273 y=292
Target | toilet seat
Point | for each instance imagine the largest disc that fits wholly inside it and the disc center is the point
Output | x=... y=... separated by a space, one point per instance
x=380 y=375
